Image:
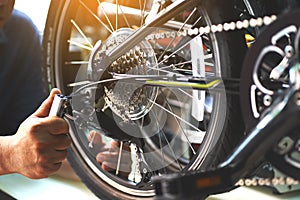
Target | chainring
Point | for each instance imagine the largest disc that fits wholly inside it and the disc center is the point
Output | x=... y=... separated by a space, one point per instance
x=265 y=75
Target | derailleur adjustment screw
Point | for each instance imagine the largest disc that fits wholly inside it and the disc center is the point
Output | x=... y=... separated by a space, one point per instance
x=267 y=100
x=289 y=51
x=285 y=145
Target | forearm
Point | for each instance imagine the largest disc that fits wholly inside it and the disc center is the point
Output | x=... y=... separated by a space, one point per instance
x=6 y=155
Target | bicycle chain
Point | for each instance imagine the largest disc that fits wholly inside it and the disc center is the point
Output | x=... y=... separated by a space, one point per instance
x=276 y=181
x=225 y=27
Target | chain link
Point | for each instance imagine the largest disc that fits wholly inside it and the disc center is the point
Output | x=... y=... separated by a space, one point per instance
x=267 y=181
x=225 y=27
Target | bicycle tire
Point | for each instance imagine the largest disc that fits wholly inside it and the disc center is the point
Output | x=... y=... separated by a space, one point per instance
x=224 y=130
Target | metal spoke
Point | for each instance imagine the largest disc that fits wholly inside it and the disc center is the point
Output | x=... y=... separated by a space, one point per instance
x=95 y=16
x=172 y=150
x=176 y=116
x=179 y=49
x=105 y=15
x=81 y=33
x=185 y=22
x=181 y=128
x=168 y=143
x=161 y=150
x=74 y=62
x=119 y=158
x=162 y=69
x=117 y=13
x=124 y=16
x=142 y=8
x=83 y=46
x=90 y=84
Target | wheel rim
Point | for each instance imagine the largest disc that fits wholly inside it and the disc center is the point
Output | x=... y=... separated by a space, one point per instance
x=67 y=46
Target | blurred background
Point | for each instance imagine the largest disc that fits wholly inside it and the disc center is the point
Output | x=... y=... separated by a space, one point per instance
x=36 y=10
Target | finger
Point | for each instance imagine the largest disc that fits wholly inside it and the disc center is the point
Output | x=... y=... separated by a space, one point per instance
x=51 y=161
x=56 y=125
x=95 y=137
x=44 y=109
x=105 y=167
x=107 y=156
x=113 y=157
x=57 y=156
x=62 y=142
x=52 y=168
x=57 y=165
x=57 y=142
x=115 y=144
x=99 y=148
x=113 y=166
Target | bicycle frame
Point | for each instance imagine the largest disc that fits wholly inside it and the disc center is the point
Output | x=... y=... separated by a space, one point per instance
x=245 y=158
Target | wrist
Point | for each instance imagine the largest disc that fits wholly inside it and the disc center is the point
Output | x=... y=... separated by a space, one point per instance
x=6 y=155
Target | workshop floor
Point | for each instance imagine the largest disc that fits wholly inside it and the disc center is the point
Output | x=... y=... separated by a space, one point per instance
x=58 y=188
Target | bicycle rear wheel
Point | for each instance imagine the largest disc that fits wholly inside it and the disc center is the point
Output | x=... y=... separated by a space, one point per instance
x=135 y=103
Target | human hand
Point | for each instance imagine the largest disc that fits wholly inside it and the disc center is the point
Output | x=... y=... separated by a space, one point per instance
x=109 y=155
x=40 y=144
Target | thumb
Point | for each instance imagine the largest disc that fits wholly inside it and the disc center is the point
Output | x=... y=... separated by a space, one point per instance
x=44 y=109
